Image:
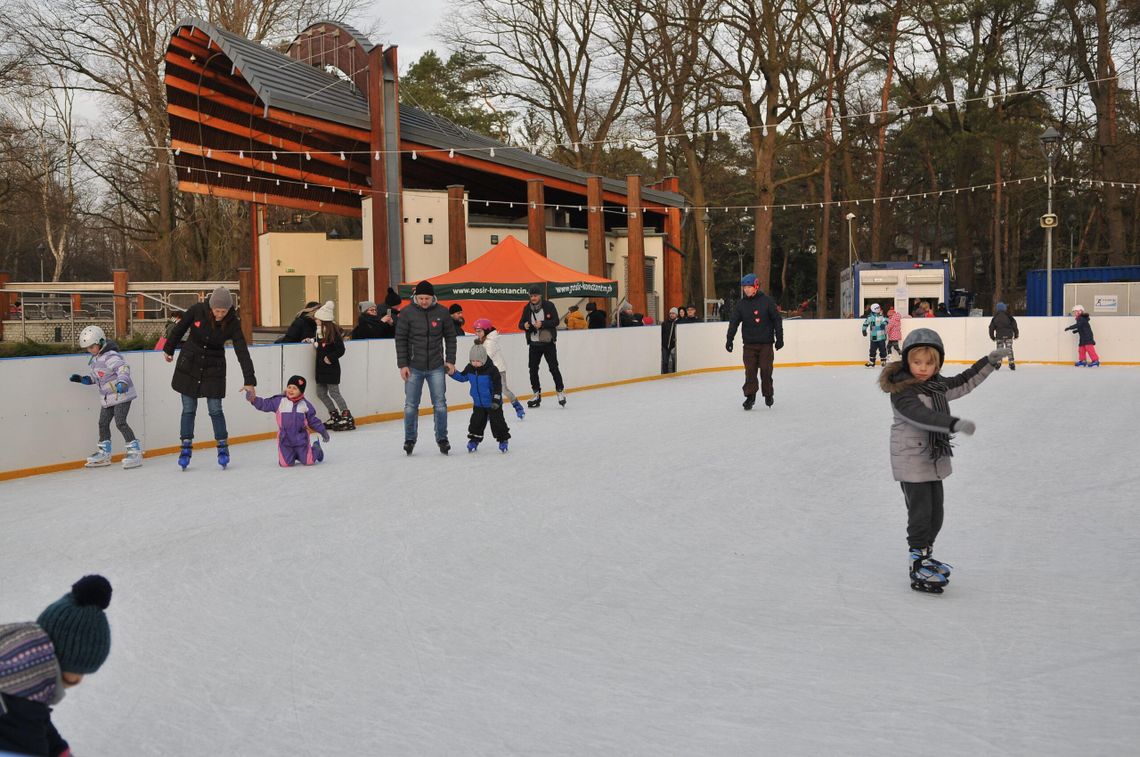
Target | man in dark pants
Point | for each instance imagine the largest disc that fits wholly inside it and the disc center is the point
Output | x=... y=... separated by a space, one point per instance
x=760 y=326
x=669 y=342
x=540 y=323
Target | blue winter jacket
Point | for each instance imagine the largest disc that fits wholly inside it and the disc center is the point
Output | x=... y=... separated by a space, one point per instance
x=486 y=384
x=876 y=324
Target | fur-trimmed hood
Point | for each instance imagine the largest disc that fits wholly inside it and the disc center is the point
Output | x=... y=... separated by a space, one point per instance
x=896 y=378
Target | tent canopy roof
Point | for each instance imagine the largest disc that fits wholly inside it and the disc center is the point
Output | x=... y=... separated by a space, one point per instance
x=507 y=271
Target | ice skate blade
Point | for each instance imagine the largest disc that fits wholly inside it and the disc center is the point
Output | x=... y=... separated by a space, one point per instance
x=926 y=588
x=103 y=464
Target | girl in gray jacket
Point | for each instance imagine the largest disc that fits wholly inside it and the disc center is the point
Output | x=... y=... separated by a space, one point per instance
x=920 y=441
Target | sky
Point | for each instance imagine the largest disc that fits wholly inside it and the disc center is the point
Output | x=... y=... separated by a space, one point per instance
x=650 y=570
x=410 y=25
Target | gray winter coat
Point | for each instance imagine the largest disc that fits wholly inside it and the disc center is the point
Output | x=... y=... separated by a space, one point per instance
x=425 y=338
x=915 y=418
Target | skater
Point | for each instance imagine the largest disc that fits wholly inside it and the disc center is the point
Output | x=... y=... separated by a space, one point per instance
x=761 y=329
x=109 y=371
x=303 y=327
x=595 y=318
x=540 y=322
x=669 y=342
x=487 y=335
x=1086 y=350
x=487 y=396
x=894 y=331
x=920 y=440
x=201 y=367
x=371 y=325
x=1003 y=330
x=876 y=325
x=296 y=417
x=70 y=640
x=425 y=351
x=329 y=342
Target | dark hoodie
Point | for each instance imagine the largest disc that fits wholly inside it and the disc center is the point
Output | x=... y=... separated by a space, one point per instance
x=758 y=320
x=1083 y=329
x=1003 y=326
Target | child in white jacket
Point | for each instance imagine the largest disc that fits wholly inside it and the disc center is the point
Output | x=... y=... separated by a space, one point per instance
x=486 y=335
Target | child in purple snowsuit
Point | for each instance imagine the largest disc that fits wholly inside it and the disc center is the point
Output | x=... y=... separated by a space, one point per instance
x=296 y=416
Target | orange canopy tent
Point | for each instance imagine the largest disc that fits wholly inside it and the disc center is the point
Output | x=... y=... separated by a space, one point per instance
x=496 y=284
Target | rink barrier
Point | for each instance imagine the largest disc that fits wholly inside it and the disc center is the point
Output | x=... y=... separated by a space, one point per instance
x=58 y=431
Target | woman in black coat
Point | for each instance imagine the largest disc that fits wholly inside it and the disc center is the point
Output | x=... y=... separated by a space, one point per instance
x=201 y=367
x=372 y=326
x=303 y=327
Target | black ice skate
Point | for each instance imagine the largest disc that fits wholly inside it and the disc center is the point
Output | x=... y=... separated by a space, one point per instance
x=749 y=401
x=444 y=446
x=769 y=400
x=925 y=575
x=409 y=445
x=535 y=401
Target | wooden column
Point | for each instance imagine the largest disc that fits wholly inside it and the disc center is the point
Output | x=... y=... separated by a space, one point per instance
x=5 y=302
x=245 y=290
x=379 y=174
x=360 y=286
x=456 y=228
x=596 y=235
x=674 y=265
x=536 y=216
x=122 y=302
x=635 y=281
x=257 y=224
x=140 y=307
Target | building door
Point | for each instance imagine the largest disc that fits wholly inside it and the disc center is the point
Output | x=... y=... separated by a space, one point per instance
x=290 y=297
x=327 y=287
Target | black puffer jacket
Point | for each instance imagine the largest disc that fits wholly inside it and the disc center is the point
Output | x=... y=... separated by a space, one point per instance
x=329 y=353
x=201 y=367
x=303 y=327
x=1083 y=329
x=26 y=728
x=372 y=327
x=758 y=320
x=425 y=337
x=1003 y=326
x=669 y=333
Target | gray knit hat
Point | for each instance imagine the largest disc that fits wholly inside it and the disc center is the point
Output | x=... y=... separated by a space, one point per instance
x=77 y=625
x=366 y=305
x=478 y=353
x=221 y=298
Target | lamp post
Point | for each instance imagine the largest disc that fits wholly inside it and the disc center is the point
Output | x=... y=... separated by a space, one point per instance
x=1050 y=147
x=850 y=239
x=704 y=269
x=1071 y=220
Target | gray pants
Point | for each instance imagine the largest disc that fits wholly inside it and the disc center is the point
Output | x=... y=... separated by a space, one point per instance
x=119 y=413
x=508 y=395
x=330 y=395
x=1006 y=342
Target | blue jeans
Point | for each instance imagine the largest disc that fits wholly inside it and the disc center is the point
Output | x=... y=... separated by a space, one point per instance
x=190 y=409
x=413 y=390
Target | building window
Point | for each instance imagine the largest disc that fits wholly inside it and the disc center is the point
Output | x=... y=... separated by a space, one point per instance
x=427 y=238
x=494 y=239
x=429 y=220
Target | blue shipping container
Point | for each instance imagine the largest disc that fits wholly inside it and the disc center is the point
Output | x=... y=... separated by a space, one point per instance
x=1035 y=284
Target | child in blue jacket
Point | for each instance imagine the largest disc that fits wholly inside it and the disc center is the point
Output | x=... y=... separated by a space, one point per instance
x=296 y=416
x=875 y=325
x=487 y=395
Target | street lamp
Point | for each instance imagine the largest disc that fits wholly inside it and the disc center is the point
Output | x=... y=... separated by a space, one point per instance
x=1071 y=220
x=1050 y=148
x=704 y=268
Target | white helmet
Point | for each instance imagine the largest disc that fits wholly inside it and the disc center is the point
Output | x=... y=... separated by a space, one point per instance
x=1078 y=309
x=92 y=335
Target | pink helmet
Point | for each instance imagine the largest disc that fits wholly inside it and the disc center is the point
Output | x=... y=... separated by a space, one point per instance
x=483 y=324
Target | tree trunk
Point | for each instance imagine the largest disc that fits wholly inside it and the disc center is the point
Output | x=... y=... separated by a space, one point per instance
x=997 y=216
x=881 y=143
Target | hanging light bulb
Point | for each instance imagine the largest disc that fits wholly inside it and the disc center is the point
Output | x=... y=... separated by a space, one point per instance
x=178 y=151
x=279 y=182
x=451 y=153
x=930 y=110
x=342 y=154
x=308 y=156
x=414 y=156
x=209 y=153
x=990 y=101
x=241 y=154
x=306 y=185
x=275 y=155
x=219 y=174
x=247 y=178
x=334 y=190
x=764 y=130
x=492 y=152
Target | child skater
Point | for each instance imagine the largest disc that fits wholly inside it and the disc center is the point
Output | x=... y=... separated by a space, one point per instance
x=920 y=441
x=876 y=324
x=487 y=395
x=1086 y=351
x=110 y=372
x=1003 y=330
x=296 y=416
x=894 y=331
x=329 y=342
x=486 y=335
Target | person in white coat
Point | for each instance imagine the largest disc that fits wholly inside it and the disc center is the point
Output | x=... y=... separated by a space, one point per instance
x=486 y=335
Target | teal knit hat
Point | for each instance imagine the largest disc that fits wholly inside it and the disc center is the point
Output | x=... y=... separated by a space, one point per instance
x=77 y=626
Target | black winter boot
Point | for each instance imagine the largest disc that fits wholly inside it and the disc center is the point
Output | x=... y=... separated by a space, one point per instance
x=749 y=401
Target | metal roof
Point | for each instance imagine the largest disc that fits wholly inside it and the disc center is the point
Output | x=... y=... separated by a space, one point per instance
x=282 y=82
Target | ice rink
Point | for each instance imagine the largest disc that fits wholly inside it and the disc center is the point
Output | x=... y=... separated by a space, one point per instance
x=649 y=571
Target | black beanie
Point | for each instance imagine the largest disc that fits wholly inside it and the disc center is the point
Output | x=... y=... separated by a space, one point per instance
x=297 y=381
x=535 y=289
x=455 y=308
x=392 y=299
x=424 y=287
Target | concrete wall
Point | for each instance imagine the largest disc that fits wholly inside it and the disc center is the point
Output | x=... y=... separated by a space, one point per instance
x=59 y=427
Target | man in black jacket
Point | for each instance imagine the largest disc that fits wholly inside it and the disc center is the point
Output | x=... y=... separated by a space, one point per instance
x=425 y=351
x=540 y=323
x=669 y=342
x=761 y=325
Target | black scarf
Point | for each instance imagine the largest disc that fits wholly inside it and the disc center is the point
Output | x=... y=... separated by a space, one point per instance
x=935 y=388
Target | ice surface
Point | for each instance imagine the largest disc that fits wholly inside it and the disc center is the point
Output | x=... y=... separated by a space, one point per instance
x=651 y=570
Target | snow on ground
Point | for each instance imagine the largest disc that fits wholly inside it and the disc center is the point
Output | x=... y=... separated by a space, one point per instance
x=649 y=571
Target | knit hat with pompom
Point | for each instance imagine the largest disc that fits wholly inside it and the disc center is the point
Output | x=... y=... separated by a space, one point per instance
x=77 y=625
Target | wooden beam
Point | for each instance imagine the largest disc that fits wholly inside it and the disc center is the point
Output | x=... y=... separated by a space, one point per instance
x=456 y=227
x=535 y=216
x=635 y=280
x=268 y=169
x=596 y=233
x=674 y=269
x=379 y=216
x=267 y=198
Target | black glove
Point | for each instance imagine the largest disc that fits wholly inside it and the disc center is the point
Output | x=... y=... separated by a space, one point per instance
x=496 y=402
x=325 y=438
x=85 y=380
x=779 y=344
x=728 y=345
